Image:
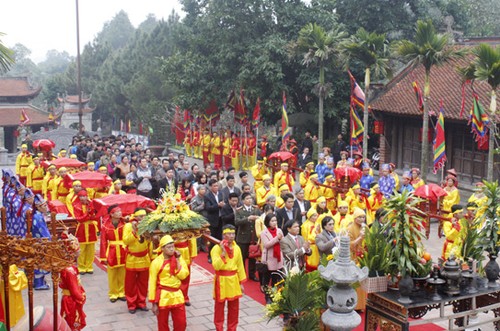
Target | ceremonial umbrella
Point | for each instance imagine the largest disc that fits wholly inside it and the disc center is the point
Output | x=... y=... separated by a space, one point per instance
x=350 y=172
x=44 y=144
x=430 y=191
x=89 y=179
x=127 y=203
x=66 y=162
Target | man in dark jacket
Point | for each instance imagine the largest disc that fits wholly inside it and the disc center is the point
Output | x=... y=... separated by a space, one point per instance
x=287 y=213
x=245 y=222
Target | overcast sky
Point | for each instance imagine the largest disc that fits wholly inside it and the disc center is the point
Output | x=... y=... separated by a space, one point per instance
x=42 y=25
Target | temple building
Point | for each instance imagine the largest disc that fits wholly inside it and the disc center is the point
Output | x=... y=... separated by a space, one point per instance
x=16 y=94
x=399 y=119
x=70 y=108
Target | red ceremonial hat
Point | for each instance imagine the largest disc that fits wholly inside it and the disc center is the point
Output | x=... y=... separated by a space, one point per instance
x=452 y=172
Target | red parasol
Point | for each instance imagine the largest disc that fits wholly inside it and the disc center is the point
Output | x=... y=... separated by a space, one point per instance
x=89 y=179
x=127 y=202
x=66 y=162
x=430 y=191
x=58 y=207
x=44 y=144
x=352 y=173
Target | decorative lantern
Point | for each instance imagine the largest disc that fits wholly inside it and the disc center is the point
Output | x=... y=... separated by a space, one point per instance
x=378 y=127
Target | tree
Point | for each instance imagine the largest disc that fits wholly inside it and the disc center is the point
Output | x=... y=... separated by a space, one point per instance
x=6 y=56
x=428 y=49
x=486 y=67
x=369 y=50
x=318 y=47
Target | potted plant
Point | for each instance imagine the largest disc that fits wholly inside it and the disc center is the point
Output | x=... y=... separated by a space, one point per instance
x=298 y=297
x=376 y=258
x=489 y=236
x=405 y=232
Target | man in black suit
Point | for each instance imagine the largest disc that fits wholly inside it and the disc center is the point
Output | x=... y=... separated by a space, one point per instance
x=230 y=188
x=304 y=158
x=301 y=204
x=214 y=201
x=287 y=213
x=245 y=222
x=228 y=212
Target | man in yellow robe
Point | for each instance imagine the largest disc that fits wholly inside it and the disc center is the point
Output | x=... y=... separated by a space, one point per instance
x=284 y=177
x=35 y=173
x=229 y=275
x=264 y=191
x=165 y=275
x=59 y=190
x=258 y=171
x=23 y=161
x=139 y=253
x=48 y=182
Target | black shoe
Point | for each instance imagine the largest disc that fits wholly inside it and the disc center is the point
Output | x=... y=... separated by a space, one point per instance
x=187 y=304
x=254 y=278
x=113 y=300
x=132 y=311
x=83 y=272
x=143 y=308
x=90 y=272
x=122 y=299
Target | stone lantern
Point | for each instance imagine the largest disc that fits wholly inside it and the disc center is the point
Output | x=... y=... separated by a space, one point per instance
x=341 y=297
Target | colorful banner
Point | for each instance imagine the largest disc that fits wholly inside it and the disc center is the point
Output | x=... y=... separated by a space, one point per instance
x=439 y=144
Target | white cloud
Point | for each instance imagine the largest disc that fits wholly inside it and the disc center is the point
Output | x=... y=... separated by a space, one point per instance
x=51 y=24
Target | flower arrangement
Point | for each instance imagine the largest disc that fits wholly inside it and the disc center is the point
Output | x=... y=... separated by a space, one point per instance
x=172 y=215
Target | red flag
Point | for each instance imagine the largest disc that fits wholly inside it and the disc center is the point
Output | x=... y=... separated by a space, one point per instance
x=256 y=114
x=240 y=113
x=129 y=126
x=419 y=95
x=141 y=130
x=357 y=94
x=212 y=112
x=439 y=144
x=24 y=118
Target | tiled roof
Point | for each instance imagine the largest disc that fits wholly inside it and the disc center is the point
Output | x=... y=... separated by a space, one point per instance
x=74 y=99
x=10 y=115
x=71 y=108
x=17 y=87
x=398 y=96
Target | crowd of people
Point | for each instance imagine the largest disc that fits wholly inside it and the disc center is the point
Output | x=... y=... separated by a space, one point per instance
x=294 y=215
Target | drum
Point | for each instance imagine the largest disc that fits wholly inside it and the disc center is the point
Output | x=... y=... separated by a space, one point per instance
x=42 y=321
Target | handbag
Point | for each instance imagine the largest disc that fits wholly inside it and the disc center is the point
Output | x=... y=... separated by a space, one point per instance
x=254 y=250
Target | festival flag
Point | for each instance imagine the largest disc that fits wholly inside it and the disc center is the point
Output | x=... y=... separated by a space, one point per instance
x=141 y=129
x=231 y=101
x=357 y=129
x=122 y=126
x=357 y=94
x=256 y=115
x=240 y=112
x=24 y=118
x=478 y=119
x=212 y=112
x=129 y=126
x=419 y=95
x=151 y=131
x=439 y=144
x=187 y=118
x=285 y=129
x=51 y=117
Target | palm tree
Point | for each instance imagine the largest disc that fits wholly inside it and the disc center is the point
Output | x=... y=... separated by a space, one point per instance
x=486 y=67
x=318 y=46
x=371 y=51
x=6 y=54
x=428 y=49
